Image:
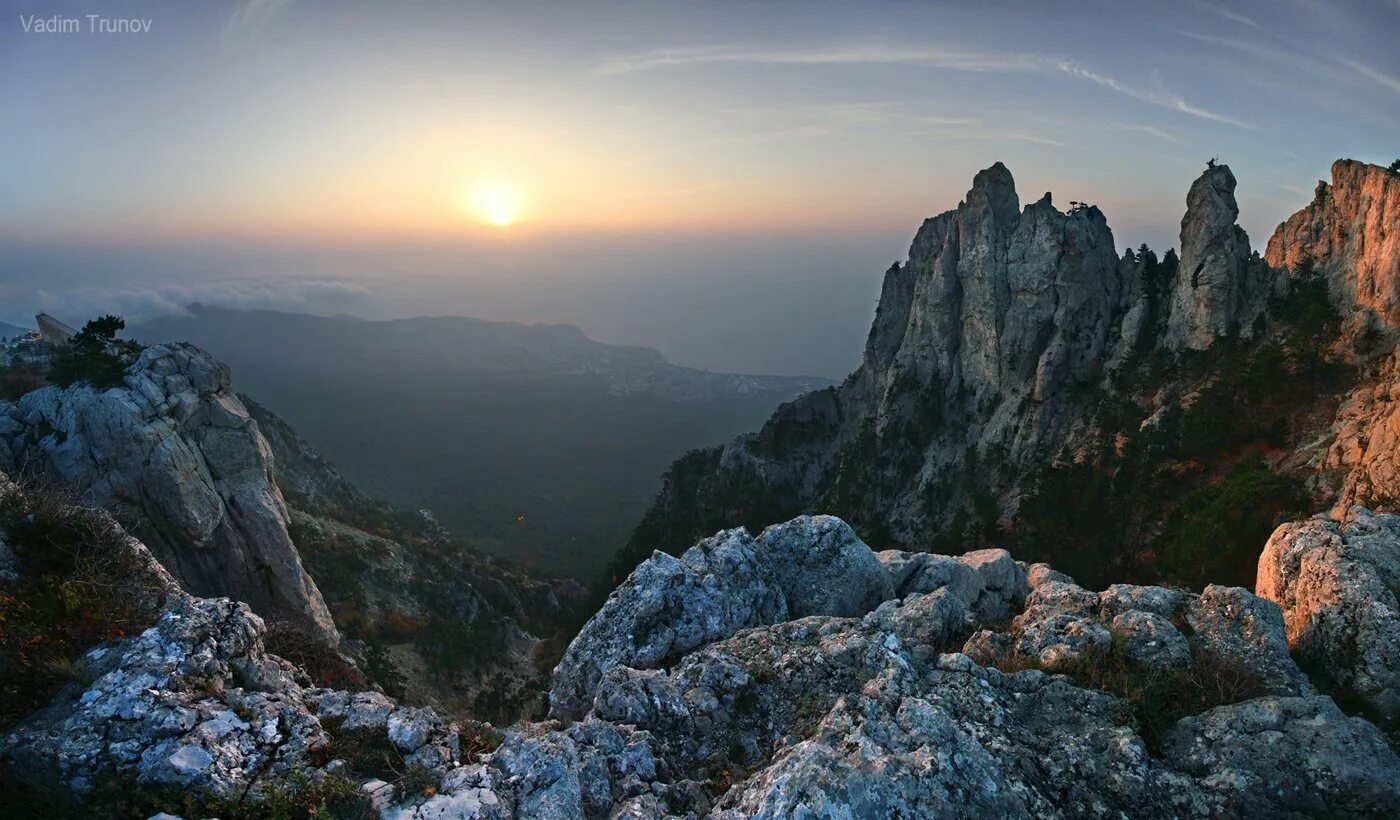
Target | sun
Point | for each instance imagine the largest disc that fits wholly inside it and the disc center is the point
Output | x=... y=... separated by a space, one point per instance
x=497 y=203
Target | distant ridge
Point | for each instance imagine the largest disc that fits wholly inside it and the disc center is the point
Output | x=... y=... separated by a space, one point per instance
x=9 y=331
x=540 y=444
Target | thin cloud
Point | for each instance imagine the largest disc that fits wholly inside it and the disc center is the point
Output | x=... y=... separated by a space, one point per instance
x=1152 y=130
x=1390 y=81
x=926 y=57
x=1228 y=13
x=1294 y=55
x=949 y=121
x=1169 y=101
x=251 y=15
x=987 y=135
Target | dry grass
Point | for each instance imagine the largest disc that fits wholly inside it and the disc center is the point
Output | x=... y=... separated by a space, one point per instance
x=80 y=584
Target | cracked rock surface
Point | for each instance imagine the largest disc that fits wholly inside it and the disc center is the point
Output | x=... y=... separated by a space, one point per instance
x=936 y=686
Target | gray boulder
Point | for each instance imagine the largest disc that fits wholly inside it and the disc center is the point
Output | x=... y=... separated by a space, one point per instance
x=174 y=455
x=1285 y=757
x=1337 y=585
x=823 y=568
x=667 y=607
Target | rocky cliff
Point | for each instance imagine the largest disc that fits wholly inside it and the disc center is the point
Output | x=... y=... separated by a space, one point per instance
x=448 y=624
x=1351 y=232
x=797 y=673
x=1014 y=341
x=1223 y=286
x=174 y=454
x=198 y=474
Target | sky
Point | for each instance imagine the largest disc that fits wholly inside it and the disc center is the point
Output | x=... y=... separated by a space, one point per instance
x=724 y=181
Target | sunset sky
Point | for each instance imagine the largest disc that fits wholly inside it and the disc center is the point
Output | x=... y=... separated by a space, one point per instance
x=298 y=123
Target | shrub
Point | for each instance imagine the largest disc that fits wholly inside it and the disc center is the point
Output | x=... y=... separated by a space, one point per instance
x=1155 y=698
x=326 y=666
x=1217 y=533
x=19 y=378
x=80 y=584
x=94 y=355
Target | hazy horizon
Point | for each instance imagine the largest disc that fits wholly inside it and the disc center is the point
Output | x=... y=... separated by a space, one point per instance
x=723 y=182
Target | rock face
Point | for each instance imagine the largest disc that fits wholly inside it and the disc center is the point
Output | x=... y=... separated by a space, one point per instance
x=1350 y=232
x=987 y=359
x=808 y=566
x=707 y=695
x=1222 y=288
x=384 y=566
x=881 y=716
x=1337 y=584
x=174 y=454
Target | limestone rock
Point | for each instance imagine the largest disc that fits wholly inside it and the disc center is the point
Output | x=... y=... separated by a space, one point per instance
x=811 y=565
x=820 y=715
x=1349 y=230
x=174 y=454
x=667 y=607
x=1337 y=583
x=822 y=568
x=1064 y=626
x=1220 y=289
x=1298 y=756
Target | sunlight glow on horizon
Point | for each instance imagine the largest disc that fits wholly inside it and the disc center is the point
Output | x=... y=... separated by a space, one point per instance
x=497 y=203
x=467 y=123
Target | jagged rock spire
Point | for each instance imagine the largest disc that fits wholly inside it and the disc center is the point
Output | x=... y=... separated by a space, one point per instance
x=1220 y=288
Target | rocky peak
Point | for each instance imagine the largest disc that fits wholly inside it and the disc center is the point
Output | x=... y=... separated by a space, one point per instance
x=174 y=454
x=1351 y=230
x=1220 y=289
x=994 y=192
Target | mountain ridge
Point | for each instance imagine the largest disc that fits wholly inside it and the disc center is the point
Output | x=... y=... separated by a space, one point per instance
x=542 y=444
x=1003 y=341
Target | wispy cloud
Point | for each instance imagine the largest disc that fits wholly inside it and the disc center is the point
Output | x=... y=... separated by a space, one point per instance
x=1390 y=81
x=1018 y=136
x=138 y=304
x=1159 y=133
x=940 y=57
x=1228 y=13
x=1296 y=55
x=1169 y=101
x=869 y=54
x=251 y=15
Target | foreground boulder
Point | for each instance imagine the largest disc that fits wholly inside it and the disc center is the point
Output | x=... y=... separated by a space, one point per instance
x=174 y=454
x=1133 y=701
x=701 y=694
x=812 y=565
x=1337 y=583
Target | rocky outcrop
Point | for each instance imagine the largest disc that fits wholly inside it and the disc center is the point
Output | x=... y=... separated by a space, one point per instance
x=991 y=352
x=1351 y=233
x=469 y=631
x=1223 y=287
x=174 y=454
x=712 y=698
x=1338 y=584
x=880 y=715
x=195 y=702
x=670 y=606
